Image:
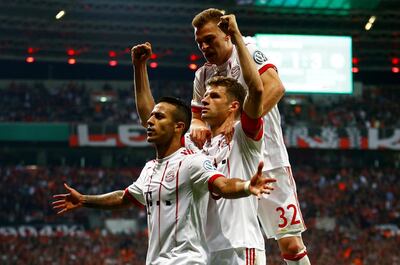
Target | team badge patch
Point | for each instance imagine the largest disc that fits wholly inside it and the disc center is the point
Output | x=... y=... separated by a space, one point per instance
x=259 y=57
x=235 y=72
x=170 y=176
x=208 y=165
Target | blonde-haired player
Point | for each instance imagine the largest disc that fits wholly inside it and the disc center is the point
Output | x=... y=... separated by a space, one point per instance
x=219 y=39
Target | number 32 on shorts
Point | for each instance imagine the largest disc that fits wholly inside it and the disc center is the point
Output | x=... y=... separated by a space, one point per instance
x=290 y=210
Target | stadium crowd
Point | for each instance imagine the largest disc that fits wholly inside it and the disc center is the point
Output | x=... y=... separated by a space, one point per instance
x=28 y=190
x=343 y=207
x=375 y=108
x=350 y=208
x=75 y=102
x=94 y=248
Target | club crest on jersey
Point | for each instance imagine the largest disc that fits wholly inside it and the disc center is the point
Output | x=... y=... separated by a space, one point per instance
x=259 y=57
x=235 y=72
x=208 y=165
x=170 y=176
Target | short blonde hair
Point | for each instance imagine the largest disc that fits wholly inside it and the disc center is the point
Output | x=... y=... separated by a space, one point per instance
x=208 y=15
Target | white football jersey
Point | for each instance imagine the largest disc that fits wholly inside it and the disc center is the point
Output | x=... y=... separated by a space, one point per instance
x=175 y=192
x=233 y=223
x=274 y=152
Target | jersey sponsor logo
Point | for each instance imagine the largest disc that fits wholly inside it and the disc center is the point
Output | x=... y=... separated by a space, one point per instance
x=170 y=176
x=208 y=165
x=259 y=57
x=235 y=72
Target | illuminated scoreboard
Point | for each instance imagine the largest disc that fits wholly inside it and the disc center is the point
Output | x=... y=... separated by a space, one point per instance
x=310 y=64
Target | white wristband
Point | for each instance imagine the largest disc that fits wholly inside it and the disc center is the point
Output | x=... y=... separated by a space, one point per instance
x=247 y=187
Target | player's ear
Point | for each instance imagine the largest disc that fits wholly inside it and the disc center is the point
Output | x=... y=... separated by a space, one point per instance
x=235 y=106
x=180 y=126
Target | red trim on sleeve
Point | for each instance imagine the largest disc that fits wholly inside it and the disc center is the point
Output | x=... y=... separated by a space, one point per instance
x=210 y=182
x=253 y=128
x=295 y=257
x=266 y=67
x=196 y=109
x=133 y=199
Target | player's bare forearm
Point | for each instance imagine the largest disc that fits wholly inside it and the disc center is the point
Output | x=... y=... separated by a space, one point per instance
x=110 y=201
x=197 y=121
x=234 y=188
x=230 y=188
x=273 y=89
x=73 y=200
x=199 y=131
x=143 y=97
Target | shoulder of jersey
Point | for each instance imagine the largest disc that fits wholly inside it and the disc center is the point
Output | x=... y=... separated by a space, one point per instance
x=199 y=71
x=187 y=152
x=249 y=40
x=205 y=66
x=149 y=164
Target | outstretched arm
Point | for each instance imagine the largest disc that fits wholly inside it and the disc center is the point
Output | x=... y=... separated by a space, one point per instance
x=74 y=200
x=237 y=188
x=143 y=98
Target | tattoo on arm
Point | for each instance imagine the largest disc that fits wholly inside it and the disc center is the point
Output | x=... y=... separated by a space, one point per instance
x=112 y=200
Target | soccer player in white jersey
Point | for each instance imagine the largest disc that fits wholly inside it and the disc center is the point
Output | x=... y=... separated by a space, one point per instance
x=218 y=37
x=233 y=233
x=174 y=187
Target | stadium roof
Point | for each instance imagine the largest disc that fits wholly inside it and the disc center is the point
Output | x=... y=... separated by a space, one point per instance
x=90 y=29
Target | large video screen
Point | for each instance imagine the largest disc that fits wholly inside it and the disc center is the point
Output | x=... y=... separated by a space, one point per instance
x=310 y=64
